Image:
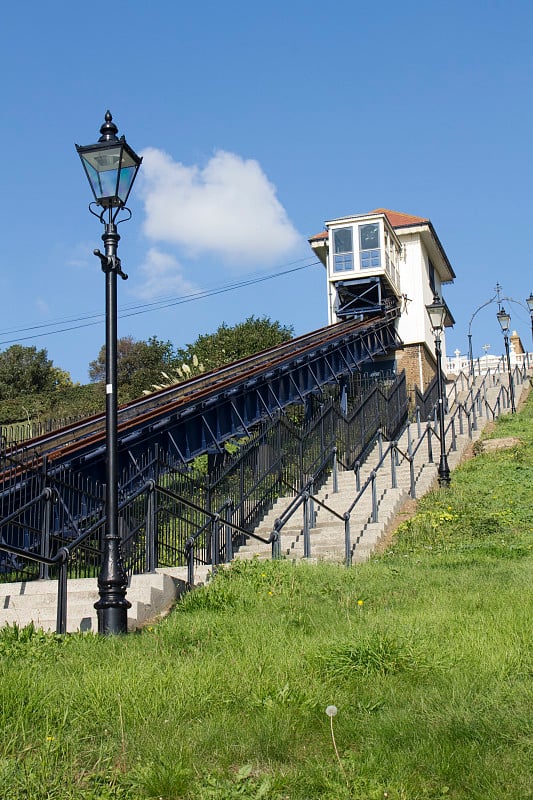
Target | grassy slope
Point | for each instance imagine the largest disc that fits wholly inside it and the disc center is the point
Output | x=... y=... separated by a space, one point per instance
x=426 y=652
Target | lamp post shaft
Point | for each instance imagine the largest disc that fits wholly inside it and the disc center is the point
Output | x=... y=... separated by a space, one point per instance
x=443 y=470
x=470 y=355
x=112 y=607
x=509 y=372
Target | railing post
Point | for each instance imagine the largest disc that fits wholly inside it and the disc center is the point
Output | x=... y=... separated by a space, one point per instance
x=412 y=477
x=307 y=538
x=151 y=528
x=418 y=422
x=335 y=472
x=215 y=540
x=311 y=506
x=347 y=541
x=229 y=534
x=357 y=470
x=393 y=453
x=241 y=492
x=374 y=497
x=276 y=543
x=454 y=437
x=189 y=551
x=44 y=569
x=429 y=432
x=474 y=416
x=61 y=619
x=380 y=444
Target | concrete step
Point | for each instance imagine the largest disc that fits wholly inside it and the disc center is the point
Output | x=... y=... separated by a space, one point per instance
x=151 y=595
x=327 y=535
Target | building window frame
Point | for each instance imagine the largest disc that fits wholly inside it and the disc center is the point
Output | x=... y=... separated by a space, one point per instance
x=343 y=250
x=369 y=246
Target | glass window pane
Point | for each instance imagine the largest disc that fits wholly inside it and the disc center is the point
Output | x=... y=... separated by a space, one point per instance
x=342 y=239
x=343 y=262
x=369 y=236
x=370 y=259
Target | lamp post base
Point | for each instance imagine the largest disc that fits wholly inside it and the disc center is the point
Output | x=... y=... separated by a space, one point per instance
x=444 y=473
x=112 y=607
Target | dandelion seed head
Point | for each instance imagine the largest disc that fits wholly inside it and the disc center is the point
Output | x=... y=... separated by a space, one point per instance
x=331 y=711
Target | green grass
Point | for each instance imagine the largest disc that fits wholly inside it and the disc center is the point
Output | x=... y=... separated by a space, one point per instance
x=426 y=651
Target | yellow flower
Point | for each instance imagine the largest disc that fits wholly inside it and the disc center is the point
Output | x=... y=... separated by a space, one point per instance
x=360 y=602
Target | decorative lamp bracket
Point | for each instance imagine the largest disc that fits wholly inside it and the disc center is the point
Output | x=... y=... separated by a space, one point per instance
x=110 y=264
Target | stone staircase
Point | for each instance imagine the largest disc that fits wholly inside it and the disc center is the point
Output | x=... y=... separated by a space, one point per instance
x=327 y=535
x=151 y=595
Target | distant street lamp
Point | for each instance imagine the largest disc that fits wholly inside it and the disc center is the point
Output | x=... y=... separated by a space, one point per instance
x=496 y=298
x=437 y=316
x=111 y=167
x=505 y=322
x=529 y=301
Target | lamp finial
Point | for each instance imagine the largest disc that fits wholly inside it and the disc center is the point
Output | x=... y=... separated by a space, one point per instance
x=108 y=130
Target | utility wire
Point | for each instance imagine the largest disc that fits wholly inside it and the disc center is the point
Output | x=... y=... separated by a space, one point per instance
x=90 y=320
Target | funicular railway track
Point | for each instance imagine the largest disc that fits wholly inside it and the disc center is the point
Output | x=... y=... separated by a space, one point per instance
x=88 y=435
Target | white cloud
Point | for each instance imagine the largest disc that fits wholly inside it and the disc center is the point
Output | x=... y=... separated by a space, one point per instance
x=228 y=208
x=162 y=274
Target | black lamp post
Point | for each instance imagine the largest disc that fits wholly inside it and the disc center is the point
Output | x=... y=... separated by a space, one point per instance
x=437 y=316
x=505 y=322
x=111 y=167
x=529 y=301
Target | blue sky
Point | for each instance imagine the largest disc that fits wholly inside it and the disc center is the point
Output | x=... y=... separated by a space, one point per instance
x=258 y=122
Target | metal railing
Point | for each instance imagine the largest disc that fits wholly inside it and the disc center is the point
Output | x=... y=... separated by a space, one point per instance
x=54 y=522
x=52 y=519
x=464 y=416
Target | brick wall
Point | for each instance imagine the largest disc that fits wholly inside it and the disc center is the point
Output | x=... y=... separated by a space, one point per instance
x=415 y=359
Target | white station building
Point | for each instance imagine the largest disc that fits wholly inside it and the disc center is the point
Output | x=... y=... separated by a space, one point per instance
x=384 y=257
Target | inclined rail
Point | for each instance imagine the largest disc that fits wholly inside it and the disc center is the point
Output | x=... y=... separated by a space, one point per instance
x=198 y=415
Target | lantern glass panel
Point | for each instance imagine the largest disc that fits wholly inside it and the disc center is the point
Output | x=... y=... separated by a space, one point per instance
x=437 y=313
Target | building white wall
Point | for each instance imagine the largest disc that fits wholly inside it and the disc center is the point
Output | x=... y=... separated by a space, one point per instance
x=414 y=325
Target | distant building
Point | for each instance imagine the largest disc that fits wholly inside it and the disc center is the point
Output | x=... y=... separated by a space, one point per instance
x=382 y=257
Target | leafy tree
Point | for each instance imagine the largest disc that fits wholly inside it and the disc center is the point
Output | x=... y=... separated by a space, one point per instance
x=139 y=364
x=229 y=343
x=28 y=371
x=179 y=373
